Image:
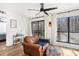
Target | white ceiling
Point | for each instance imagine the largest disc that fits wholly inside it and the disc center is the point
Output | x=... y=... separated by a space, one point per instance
x=21 y=8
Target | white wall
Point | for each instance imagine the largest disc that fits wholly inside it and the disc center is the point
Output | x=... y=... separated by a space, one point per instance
x=22 y=26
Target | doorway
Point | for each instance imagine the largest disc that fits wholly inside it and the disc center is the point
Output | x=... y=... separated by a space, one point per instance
x=2 y=30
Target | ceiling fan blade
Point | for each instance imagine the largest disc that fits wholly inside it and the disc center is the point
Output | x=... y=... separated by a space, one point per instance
x=2 y=12
x=33 y=10
x=38 y=13
x=50 y=9
x=46 y=13
x=1 y=21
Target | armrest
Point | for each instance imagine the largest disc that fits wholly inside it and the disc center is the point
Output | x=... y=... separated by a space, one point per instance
x=32 y=46
x=45 y=46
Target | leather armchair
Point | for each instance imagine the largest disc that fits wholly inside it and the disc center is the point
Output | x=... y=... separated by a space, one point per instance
x=31 y=48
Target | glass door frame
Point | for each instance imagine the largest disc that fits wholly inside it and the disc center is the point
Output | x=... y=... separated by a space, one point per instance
x=38 y=26
x=67 y=34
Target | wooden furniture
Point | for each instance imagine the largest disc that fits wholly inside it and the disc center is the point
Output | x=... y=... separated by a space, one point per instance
x=17 y=38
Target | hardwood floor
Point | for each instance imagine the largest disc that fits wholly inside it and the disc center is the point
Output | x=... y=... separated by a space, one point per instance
x=17 y=50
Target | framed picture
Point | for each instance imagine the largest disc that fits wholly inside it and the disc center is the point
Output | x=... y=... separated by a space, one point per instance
x=13 y=23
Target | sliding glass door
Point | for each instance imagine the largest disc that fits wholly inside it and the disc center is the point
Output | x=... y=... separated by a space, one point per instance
x=74 y=29
x=68 y=29
x=34 y=27
x=38 y=28
x=62 y=29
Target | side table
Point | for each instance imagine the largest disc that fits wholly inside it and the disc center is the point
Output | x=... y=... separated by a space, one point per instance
x=17 y=38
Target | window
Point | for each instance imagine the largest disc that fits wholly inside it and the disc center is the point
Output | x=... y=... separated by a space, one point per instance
x=62 y=29
x=38 y=28
x=74 y=29
x=68 y=29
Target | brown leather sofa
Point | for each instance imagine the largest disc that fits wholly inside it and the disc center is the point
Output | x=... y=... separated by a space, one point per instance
x=33 y=49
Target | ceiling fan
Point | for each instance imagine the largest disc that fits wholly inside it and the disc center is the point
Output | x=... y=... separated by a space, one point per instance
x=42 y=9
x=1 y=20
x=2 y=12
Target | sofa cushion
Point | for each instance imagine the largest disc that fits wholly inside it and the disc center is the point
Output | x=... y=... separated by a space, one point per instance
x=42 y=42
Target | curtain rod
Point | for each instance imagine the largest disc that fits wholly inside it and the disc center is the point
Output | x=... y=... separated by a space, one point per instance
x=68 y=11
